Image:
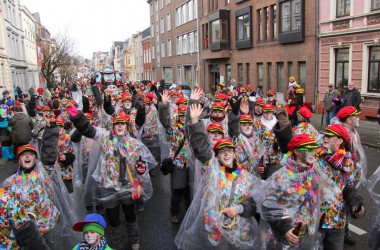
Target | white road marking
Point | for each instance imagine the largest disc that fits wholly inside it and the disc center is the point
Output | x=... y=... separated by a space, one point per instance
x=356 y=230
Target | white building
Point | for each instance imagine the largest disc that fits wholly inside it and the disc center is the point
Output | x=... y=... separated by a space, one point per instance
x=15 y=41
x=138 y=56
x=29 y=25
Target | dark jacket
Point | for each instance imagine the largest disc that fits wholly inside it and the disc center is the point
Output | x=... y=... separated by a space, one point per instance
x=22 y=126
x=352 y=98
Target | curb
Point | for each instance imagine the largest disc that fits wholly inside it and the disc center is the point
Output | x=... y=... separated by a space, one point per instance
x=371 y=145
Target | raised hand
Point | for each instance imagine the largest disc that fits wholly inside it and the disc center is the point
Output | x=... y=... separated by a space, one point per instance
x=196 y=94
x=165 y=96
x=195 y=112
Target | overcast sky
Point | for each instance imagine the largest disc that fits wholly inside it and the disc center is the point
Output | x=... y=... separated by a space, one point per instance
x=92 y=24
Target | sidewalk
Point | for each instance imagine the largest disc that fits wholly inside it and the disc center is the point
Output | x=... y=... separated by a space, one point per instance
x=368 y=131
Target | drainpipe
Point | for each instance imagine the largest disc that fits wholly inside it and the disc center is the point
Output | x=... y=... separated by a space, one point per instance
x=316 y=100
x=198 y=60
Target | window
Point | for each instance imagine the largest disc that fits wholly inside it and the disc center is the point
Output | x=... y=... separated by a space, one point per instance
x=169 y=47
x=191 y=11
x=243 y=27
x=153 y=52
x=269 y=75
x=168 y=75
x=260 y=22
x=156 y=5
x=343 y=8
x=219 y=31
x=151 y=9
x=178 y=17
x=158 y=51
x=191 y=42
x=274 y=22
x=280 y=77
x=161 y=4
x=240 y=72
x=248 y=71
x=291 y=15
x=260 y=74
x=266 y=23
x=290 y=69
x=167 y=2
x=375 y=4
x=179 y=45
x=162 y=25
x=341 y=67
x=302 y=74
x=228 y=70
x=179 y=75
x=184 y=14
x=163 y=49
x=157 y=29
x=168 y=22
x=196 y=40
x=184 y=44
x=195 y=8
x=374 y=70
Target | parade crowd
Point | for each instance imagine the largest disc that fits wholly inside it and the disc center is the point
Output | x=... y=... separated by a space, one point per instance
x=253 y=173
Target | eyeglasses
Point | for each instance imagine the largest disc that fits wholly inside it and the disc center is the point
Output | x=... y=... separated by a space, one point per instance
x=270 y=95
x=226 y=151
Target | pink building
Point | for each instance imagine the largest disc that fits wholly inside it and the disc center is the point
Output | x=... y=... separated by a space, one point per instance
x=349 y=49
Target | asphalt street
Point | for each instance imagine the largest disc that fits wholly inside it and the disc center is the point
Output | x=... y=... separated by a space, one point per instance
x=157 y=231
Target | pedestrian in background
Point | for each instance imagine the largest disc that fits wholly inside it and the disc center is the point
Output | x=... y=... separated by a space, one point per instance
x=352 y=97
x=329 y=104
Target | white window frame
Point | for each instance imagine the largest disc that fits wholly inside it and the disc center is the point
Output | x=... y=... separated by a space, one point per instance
x=168 y=22
x=163 y=49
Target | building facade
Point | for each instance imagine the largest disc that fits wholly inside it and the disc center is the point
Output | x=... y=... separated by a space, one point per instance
x=100 y=60
x=349 y=49
x=147 y=59
x=15 y=43
x=138 y=56
x=260 y=43
x=29 y=24
x=5 y=80
x=174 y=40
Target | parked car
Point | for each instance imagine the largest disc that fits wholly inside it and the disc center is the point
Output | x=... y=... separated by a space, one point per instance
x=186 y=90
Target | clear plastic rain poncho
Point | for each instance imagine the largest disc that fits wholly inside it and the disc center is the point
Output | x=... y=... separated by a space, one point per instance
x=205 y=226
x=373 y=186
x=292 y=197
x=115 y=174
x=357 y=151
x=47 y=199
x=249 y=152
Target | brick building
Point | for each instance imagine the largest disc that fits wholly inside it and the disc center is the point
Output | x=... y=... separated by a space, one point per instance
x=147 y=59
x=350 y=49
x=249 y=41
x=174 y=45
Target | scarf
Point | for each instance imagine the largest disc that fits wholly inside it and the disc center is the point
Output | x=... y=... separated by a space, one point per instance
x=85 y=246
x=269 y=124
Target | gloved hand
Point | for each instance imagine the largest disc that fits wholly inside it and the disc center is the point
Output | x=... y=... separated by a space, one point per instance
x=140 y=166
x=282 y=117
x=357 y=211
x=72 y=110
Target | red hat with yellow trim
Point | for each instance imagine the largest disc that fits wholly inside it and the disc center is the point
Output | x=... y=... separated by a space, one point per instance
x=347 y=111
x=182 y=101
x=147 y=100
x=246 y=119
x=173 y=92
x=150 y=96
x=217 y=106
x=46 y=108
x=126 y=96
x=260 y=101
x=27 y=147
x=230 y=93
x=302 y=141
x=267 y=107
x=59 y=122
x=221 y=97
x=215 y=127
x=336 y=130
x=223 y=143
x=249 y=87
x=120 y=119
x=271 y=92
x=89 y=116
x=181 y=110
x=305 y=112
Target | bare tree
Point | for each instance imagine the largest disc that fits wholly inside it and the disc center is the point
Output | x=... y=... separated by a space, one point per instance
x=67 y=71
x=58 y=54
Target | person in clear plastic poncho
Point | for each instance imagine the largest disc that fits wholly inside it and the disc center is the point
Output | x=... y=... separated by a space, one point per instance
x=373 y=187
x=121 y=174
x=221 y=213
x=291 y=200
